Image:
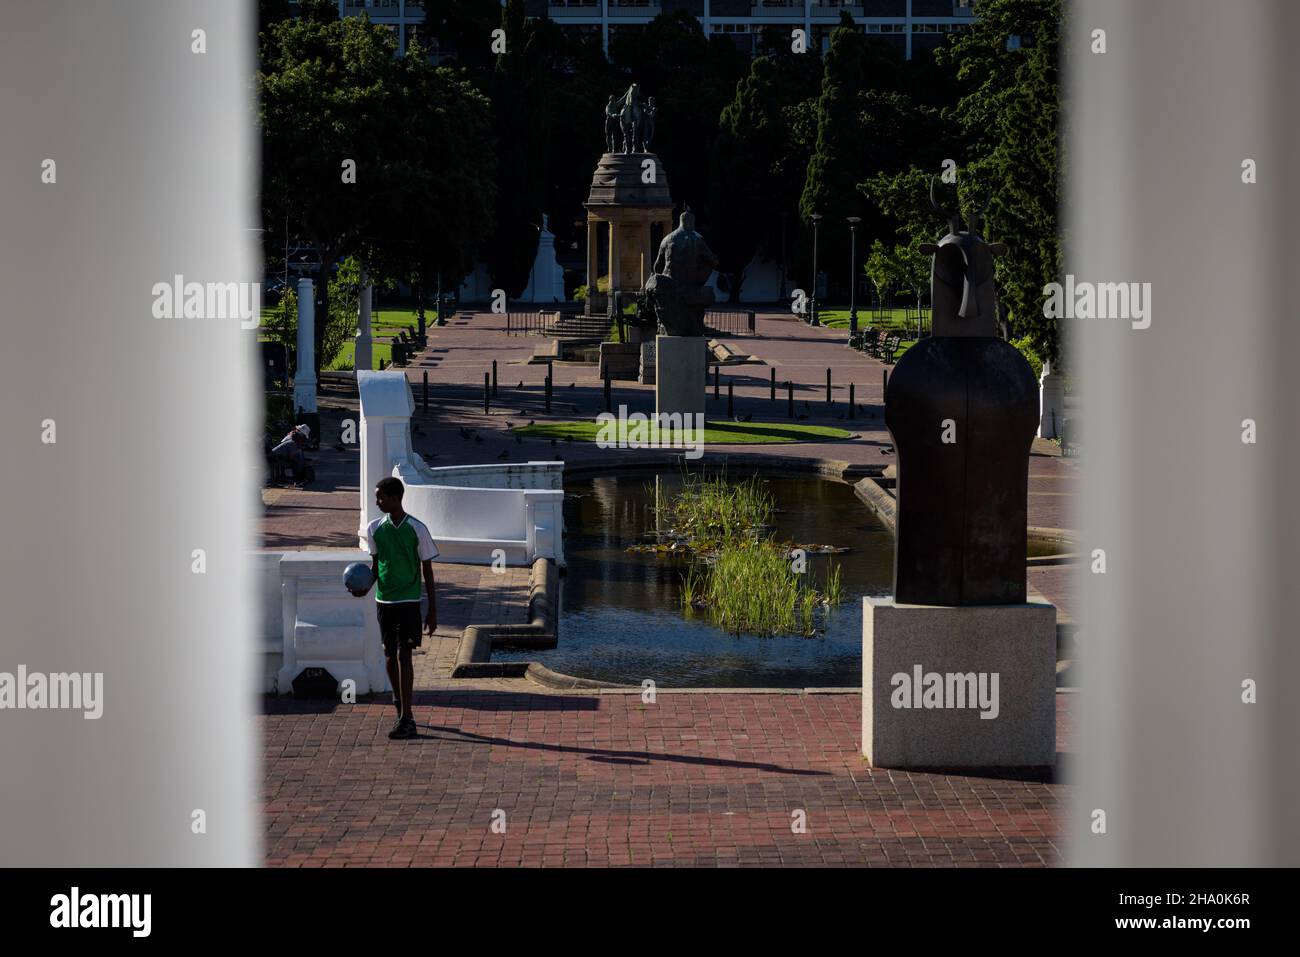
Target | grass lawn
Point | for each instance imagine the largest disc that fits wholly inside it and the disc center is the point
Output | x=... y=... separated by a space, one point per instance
x=891 y=319
x=385 y=324
x=715 y=433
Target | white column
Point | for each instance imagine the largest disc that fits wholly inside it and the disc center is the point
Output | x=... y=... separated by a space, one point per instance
x=304 y=375
x=363 y=355
x=1051 y=403
x=386 y=407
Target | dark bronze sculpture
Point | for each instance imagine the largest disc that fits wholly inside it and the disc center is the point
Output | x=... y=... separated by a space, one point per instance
x=612 y=113
x=626 y=115
x=962 y=409
x=677 y=290
x=630 y=119
x=648 y=124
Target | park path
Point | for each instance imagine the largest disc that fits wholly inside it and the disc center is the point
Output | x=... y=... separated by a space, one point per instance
x=585 y=779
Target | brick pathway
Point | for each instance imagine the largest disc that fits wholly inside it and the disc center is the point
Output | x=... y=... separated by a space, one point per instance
x=704 y=778
x=694 y=779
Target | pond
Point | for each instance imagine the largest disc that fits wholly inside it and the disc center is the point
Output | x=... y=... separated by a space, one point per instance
x=621 y=617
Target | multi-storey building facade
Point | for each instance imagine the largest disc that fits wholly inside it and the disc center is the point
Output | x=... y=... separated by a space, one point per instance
x=912 y=25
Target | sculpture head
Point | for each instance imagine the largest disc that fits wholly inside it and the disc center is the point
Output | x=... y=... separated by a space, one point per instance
x=962 y=296
x=687 y=221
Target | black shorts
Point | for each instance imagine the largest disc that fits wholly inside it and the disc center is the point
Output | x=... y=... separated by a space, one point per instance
x=400 y=624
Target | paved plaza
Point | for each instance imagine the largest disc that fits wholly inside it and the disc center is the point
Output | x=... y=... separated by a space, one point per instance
x=600 y=777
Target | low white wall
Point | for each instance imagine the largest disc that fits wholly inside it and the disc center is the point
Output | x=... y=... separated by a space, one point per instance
x=308 y=619
x=474 y=512
x=522 y=475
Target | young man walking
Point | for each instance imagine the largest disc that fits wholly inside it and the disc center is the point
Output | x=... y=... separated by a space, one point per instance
x=402 y=548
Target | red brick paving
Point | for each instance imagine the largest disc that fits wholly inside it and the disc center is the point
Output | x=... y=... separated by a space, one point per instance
x=605 y=780
x=600 y=779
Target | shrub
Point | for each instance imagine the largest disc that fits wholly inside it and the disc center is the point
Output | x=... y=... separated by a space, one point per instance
x=281 y=324
x=1025 y=345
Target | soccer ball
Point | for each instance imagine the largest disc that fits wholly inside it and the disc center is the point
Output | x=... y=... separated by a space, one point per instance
x=358 y=578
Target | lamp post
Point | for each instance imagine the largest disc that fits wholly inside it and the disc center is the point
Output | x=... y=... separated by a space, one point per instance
x=853 y=275
x=812 y=303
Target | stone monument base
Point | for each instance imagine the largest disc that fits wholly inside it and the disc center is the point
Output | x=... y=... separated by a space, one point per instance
x=966 y=686
x=646 y=372
x=679 y=375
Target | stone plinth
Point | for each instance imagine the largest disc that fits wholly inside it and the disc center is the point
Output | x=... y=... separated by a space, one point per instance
x=910 y=721
x=679 y=375
x=646 y=372
x=619 y=359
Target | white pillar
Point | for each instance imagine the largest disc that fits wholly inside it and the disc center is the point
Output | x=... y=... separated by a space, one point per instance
x=304 y=375
x=1051 y=403
x=363 y=355
x=386 y=407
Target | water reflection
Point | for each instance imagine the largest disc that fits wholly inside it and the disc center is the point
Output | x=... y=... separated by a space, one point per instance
x=621 y=616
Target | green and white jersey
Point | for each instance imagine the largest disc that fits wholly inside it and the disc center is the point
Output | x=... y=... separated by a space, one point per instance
x=400 y=549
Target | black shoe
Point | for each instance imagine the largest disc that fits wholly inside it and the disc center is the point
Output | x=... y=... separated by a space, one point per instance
x=398 y=730
x=406 y=728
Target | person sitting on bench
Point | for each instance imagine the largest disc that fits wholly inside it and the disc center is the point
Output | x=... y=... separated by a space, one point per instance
x=290 y=450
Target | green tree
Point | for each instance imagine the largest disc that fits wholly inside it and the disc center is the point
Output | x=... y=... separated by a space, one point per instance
x=881 y=268
x=835 y=167
x=757 y=173
x=520 y=86
x=1010 y=114
x=336 y=330
x=333 y=91
x=450 y=187
x=913 y=268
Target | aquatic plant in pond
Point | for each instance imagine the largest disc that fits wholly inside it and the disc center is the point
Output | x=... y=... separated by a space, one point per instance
x=745 y=581
x=710 y=511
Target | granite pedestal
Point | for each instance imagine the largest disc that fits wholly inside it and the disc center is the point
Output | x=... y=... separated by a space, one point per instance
x=679 y=376
x=958 y=686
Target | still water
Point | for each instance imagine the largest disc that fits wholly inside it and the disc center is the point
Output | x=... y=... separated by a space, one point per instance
x=621 y=615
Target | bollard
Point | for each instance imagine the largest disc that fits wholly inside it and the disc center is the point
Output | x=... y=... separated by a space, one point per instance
x=487 y=394
x=828 y=387
x=715 y=382
x=426 y=390
x=773 y=385
x=548 y=387
x=494 y=378
x=789 y=389
x=608 y=400
x=731 y=410
x=852 y=400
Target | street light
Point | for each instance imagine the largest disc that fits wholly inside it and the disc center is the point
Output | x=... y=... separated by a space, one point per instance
x=853 y=275
x=812 y=303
